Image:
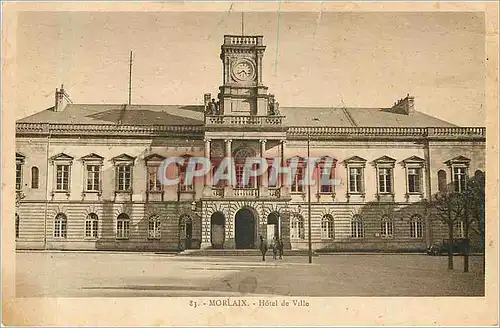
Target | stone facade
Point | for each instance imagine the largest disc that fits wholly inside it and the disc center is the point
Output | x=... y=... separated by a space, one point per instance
x=61 y=207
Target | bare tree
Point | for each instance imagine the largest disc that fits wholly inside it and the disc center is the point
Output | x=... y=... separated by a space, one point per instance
x=450 y=208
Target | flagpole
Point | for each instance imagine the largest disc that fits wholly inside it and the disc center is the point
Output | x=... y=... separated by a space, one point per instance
x=309 y=172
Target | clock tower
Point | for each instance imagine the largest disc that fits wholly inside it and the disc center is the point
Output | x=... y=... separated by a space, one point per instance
x=242 y=92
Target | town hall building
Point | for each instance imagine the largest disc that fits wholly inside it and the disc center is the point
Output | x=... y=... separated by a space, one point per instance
x=87 y=174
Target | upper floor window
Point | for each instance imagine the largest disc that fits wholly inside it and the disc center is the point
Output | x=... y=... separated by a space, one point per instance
x=60 y=226
x=385 y=168
x=153 y=163
x=414 y=178
x=34 y=177
x=442 y=182
x=184 y=184
x=297 y=181
x=19 y=171
x=245 y=178
x=62 y=164
x=355 y=174
x=327 y=227
x=326 y=168
x=124 y=165
x=93 y=167
x=459 y=166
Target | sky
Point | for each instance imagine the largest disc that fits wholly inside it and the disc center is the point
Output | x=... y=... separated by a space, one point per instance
x=368 y=59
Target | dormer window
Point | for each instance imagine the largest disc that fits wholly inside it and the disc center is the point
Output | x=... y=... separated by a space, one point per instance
x=459 y=172
x=62 y=178
x=124 y=165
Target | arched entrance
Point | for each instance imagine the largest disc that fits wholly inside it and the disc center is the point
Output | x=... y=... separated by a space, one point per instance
x=273 y=226
x=244 y=229
x=217 y=230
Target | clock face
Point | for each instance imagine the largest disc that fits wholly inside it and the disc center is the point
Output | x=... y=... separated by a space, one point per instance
x=243 y=70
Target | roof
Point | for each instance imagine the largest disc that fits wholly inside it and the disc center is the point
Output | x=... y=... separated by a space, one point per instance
x=362 y=117
x=119 y=113
x=193 y=115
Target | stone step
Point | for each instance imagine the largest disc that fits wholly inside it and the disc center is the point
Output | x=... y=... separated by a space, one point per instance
x=240 y=252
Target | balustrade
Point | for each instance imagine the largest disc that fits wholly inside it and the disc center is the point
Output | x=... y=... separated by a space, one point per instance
x=246 y=192
x=251 y=120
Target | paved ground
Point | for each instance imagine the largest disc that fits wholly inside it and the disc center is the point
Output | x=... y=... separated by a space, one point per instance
x=72 y=274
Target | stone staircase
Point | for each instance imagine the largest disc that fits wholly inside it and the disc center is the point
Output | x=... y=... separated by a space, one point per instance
x=241 y=252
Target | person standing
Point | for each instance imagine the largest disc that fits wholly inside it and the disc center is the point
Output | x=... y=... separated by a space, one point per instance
x=263 y=247
x=274 y=245
x=280 y=248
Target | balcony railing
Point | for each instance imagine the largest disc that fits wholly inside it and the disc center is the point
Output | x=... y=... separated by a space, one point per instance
x=236 y=120
x=274 y=192
x=243 y=40
x=246 y=192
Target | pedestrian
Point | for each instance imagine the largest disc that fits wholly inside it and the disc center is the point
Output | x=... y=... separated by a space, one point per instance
x=263 y=247
x=274 y=245
x=280 y=248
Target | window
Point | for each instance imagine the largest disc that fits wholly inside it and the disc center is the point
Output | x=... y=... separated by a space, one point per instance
x=183 y=186
x=17 y=225
x=34 y=177
x=91 y=226
x=442 y=183
x=327 y=227
x=459 y=178
x=93 y=177
x=385 y=180
x=19 y=176
x=19 y=171
x=244 y=177
x=124 y=177
x=297 y=185
x=185 y=226
x=62 y=177
x=414 y=180
x=297 y=230
x=60 y=226
x=326 y=173
x=386 y=227
x=459 y=231
x=122 y=226
x=355 y=180
x=154 y=183
x=357 y=228
x=416 y=227
x=355 y=175
x=154 y=225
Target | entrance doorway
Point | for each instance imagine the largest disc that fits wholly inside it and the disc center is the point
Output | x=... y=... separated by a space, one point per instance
x=244 y=232
x=217 y=230
x=273 y=226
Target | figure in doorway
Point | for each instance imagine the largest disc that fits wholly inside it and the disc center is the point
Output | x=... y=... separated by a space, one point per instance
x=263 y=247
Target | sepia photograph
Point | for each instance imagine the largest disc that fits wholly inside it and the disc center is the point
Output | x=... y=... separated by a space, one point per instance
x=233 y=158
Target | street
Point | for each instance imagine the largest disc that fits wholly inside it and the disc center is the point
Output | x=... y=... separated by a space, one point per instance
x=101 y=274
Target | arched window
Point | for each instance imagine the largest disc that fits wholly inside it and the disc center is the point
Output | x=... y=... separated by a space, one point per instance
x=416 y=227
x=154 y=227
x=122 y=226
x=34 y=177
x=244 y=177
x=327 y=227
x=91 y=225
x=386 y=226
x=357 y=227
x=442 y=183
x=297 y=230
x=17 y=225
x=60 y=226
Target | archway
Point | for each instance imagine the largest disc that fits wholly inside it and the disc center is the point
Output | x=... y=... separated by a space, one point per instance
x=273 y=226
x=217 y=230
x=244 y=229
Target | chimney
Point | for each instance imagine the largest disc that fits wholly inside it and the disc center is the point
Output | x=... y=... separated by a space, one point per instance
x=404 y=106
x=62 y=100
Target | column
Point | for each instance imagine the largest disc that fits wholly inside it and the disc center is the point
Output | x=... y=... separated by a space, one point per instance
x=264 y=177
x=259 y=68
x=228 y=157
x=283 y=184
x=208 y=180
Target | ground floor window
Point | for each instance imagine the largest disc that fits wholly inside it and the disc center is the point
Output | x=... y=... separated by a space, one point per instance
x=91 y=226
x=60 y=226
x=327 y=227
x=386 y=227
x=122 y=226
x=154 y=224
x=459 y=229
x=297 y=230
x=357 y=228
x=416 y=227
